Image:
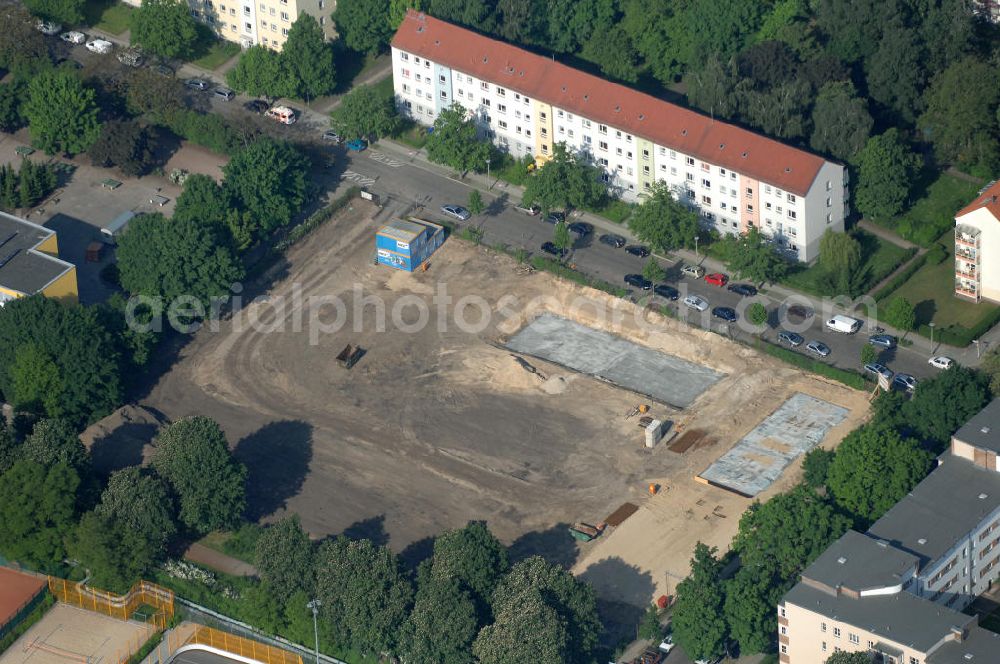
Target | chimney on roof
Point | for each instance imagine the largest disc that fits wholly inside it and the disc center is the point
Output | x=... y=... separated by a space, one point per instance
x=958 y=633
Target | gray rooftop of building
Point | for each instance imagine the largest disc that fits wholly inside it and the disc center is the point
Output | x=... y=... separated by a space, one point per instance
x=901 y=618
x=860 y=563
x=948 y=504
x=980 y=646
x=23 y=269
x=983 y=430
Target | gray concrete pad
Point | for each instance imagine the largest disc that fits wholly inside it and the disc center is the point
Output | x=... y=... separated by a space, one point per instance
x=759 y=458
x=663 y=377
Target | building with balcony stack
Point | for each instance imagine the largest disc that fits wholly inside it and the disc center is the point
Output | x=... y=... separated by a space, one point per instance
x=526 y=103
x=977 y=247
x=898 y=590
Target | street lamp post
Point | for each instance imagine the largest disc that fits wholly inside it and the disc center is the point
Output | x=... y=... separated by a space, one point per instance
x=314 y=605
x=931 y=325
x=696 y=245
x=488 y=184
x=976 y=341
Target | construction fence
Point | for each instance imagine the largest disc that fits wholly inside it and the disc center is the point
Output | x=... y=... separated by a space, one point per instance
x=143 y=594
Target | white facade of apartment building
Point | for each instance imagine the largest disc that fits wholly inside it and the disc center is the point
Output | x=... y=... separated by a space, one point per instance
x=805 y=195
x=977 y=247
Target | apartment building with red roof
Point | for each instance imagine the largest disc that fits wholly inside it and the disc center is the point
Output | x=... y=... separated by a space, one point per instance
x=977 y=247
x=526 y=103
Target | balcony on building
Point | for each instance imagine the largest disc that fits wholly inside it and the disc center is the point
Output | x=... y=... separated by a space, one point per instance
x=966 y=290
x=965 y=253
x=966 y=271
x=966 y=236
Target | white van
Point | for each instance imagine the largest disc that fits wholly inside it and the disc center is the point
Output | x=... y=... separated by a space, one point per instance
x=111 y=232
x=282 y=114
x=844 y=324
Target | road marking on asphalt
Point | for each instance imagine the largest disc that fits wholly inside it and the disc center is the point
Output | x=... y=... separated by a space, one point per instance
x=384 y=158
x=363 y=180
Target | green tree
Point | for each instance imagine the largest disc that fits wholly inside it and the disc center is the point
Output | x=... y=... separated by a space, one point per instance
x=308 y=58
x=750 y=256
x=475 y=202
x=649 y=626
x=844 y=657
x=61 y=112
x=69 y=12
x=711 y=88
x=22 y=47
x=653 y=271
x=455 y=141
x=37 y=382
x=164 y=27
x=55 y=441
x=895 y=73
x=261 y=72
x=284 y=557
x=852 y=29
x=397 y=10
x=365 y=113
x=561 y=237
x=900 y=314
x=750 y=596
x=944 y=403
x=137 y=501
x=270 y=180
x=757 y=314
x=573 y=602
x=840 y=257
x=868 y=354
x=886 y=169
x=529 y=632
x=171 y=258
x=614 y=53
x=37 y=511
x=115 y=556
x=841 y=122
x=873 y=469
x=442 y=624
x=565 y=181
x=991 y=367
x=960 y=120
x=193 y=457
x=126 y=144
x=473 y=557
x=10 y=449
x=152 y=95
x=202 y=200
x=79 y=343
x=664 y=223
x=698 y=622
x=363 y=26
x=11 y=118
x=816 y=466
x=365 y=595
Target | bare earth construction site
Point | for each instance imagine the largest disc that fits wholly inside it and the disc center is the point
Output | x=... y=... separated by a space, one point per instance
x=440 y=424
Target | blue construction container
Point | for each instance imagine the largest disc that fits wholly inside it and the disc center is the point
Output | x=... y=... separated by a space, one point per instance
x=405 y=244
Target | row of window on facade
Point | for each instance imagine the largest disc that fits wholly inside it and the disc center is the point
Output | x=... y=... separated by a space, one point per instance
x=854 y=639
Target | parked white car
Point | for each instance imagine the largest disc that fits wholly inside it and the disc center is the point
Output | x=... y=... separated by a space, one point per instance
x=100 y=46
x=667 y=644
x=48 y=27
x=73 y=37
x=696 y=302
x=941 y=362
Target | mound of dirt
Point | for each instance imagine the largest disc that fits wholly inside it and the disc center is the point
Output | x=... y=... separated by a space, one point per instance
x=123 y=438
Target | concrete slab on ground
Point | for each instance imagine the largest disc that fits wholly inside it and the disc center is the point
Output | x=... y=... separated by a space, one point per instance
x=757 y=460
x=663 y=377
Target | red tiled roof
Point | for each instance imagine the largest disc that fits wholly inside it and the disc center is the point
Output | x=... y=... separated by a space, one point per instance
x=608 y=103
x=990 y=199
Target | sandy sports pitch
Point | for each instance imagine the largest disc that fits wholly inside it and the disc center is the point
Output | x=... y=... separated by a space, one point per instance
x=438 y=425
x=67 y=635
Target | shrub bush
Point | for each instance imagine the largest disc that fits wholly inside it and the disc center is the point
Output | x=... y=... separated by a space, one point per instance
x=936 y=255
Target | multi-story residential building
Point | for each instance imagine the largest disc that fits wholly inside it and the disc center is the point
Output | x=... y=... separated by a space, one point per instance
x=30 y=263
x=899 y=589
x=987 y=9
x=526 y=103
x=265 y=22
x=977 y=247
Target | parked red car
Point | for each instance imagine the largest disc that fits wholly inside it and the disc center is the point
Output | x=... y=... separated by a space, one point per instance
x=716 y=279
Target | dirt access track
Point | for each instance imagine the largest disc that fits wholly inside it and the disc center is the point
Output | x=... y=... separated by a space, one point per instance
x=438 y=424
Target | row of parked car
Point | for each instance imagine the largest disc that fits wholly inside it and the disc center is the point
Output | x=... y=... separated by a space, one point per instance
x=131 y=56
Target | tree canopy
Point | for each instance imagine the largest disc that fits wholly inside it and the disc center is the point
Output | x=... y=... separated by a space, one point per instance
x=137 y=501
x=260 y=72
x=564 y=181
x=874 y=467
x=284 y=557
x=363 y=25
x=270 y=181
x=37 y=511
x=474 y=557
x=664 y=223
x=454 y=141
x=127 y=144
x=192 y=455
x=61 y=112
x=69 y=12
x=442 y=624
x=841 y=121
x=164 y=27
x=886 y=170
x=115 y=556
x=698 y=621
x=54 y=441
x=750 y=256
x=171 y=258
x=941 y=405
x=365 y=113
x=308 y=58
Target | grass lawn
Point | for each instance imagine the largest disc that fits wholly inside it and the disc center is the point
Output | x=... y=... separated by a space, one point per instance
x=216 y=54
x=931 y=290
x=414 y=136
x=111 y=17
x=615 y=210
x=879 y=259
x=934 y=212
